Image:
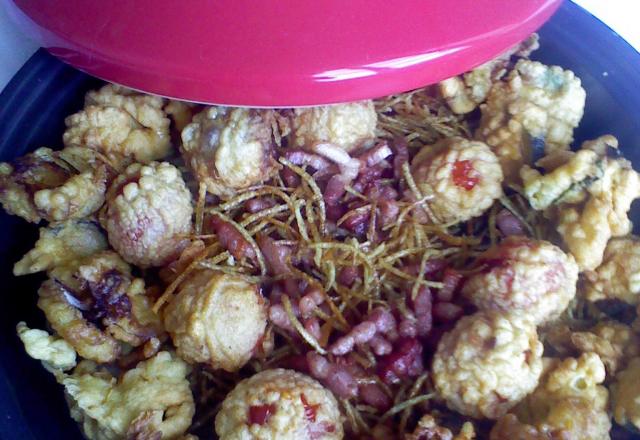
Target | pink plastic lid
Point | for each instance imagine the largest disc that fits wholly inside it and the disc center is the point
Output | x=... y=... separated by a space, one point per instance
x=277 y=52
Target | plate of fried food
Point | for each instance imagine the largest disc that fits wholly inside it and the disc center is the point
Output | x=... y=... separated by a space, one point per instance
x=453 y=262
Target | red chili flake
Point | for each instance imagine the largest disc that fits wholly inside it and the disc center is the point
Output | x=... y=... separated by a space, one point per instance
x=464 y=175
x=259 y=414
x=310 y=411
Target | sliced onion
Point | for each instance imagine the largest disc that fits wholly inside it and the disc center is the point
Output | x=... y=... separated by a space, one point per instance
x=301 y=157
x=349 y=167
x=375 y=155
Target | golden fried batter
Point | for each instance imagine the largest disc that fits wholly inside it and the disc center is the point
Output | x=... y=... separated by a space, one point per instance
x=153 y=398
x=348 y=126
x=96 y=303
x=122 y=124
x=428 y=429
x=534 y=102
x=487 y=364
x=463 y=176
x=54 y=351
x=148 y=214
x=465 y=92
x=217 y=319
x=525 y=275
x=230 y=149
x=279 y=405
x=569 y=404
x=42 y=185
x=618 y=277
x=625 y=395
x=61 y=244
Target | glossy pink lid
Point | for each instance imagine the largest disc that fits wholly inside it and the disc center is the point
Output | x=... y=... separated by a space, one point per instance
x=277 y=52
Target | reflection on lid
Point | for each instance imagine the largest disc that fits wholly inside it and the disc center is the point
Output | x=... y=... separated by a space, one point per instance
x=400 y=63
x=342 y=74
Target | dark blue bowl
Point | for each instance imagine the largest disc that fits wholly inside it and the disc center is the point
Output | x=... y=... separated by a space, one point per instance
x=32 y=110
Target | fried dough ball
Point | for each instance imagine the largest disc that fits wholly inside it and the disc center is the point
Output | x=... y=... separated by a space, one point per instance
x=61 y=244
x=78 y=197
x=465 y=92
x=563 y=184
x=124 y=125
x=487 y=363
x=96 y=304
x=27 y=175
x=625 y=395
x=428 y=429
x=618 y=277
x=87 y=339
x=591 y=192
x=180 y=112
x=348 y=126
x=279 y=405
x=530 y=276
x=154 y=398
x=533 y=103
x=53 y=350
x=569 y=404
x=613 y=341
x=230 y=149
x=148 y=214
x=41 y=186
x=463 y=176
x=217 y=318
x=587 y=231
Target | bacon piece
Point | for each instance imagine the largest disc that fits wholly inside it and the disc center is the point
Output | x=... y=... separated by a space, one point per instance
x=422 y=307
x=319 y=366
x=258 y=204
x=451 y=282
x=342 y=382
x=373 y=395
x=348 y=275
x=380 y=345
x=275 y=255
x=383 y=319
x=335 y=189
x=312 y=298
x=312 y=325
x=231 y=239
x=447 y=312
x=278 y=316
x=389 y=211
x=405 y=361
x=290 y=178
x=369 y=175
x=408 y=328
